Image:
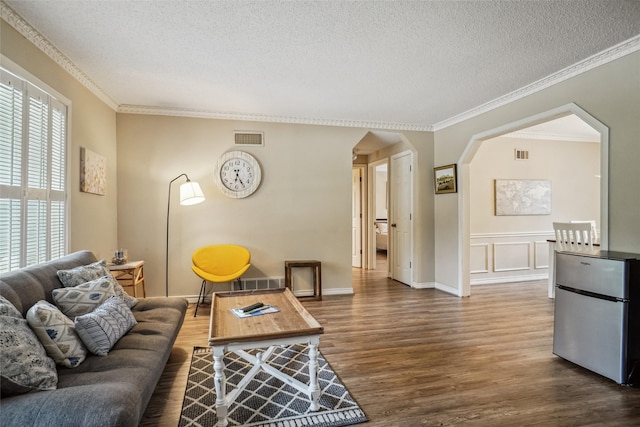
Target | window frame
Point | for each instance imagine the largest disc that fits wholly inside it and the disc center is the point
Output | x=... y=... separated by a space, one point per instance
x=50 y=196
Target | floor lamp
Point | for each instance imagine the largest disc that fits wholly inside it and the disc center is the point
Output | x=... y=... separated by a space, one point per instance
x=190 y=194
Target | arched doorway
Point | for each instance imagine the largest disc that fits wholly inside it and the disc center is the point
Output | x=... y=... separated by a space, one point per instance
x=464 y=220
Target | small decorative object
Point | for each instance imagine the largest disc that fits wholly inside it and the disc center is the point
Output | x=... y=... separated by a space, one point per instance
x=93 y=172
x=120 y=257
x=522 y=197
x=237 y=174
x=444 y=179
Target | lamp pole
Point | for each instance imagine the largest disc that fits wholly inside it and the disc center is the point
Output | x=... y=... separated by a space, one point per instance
x=195 y=196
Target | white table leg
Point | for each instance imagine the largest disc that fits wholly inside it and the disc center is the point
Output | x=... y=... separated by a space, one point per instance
x=551 y=284
x=220 y=381
x=314 y=387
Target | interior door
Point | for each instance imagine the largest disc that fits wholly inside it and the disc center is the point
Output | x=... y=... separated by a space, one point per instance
x=400 y=230
x=356 y=217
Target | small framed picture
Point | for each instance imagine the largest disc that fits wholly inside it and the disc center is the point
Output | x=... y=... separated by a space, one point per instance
x=444 y=179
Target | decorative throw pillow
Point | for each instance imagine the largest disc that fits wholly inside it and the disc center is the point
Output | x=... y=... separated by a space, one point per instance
x=84 y=273
x=122 y=294
x=57 y=334
x=24 y=364
x=83 y=298
x=104 y=326
x=8 y=309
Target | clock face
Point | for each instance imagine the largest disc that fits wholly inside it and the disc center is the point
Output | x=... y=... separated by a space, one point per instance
x=237 y=174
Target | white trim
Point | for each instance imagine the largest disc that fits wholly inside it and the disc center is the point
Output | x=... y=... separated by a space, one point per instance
x=448 y=289
x=371 y=211
x=254 y=117
x=464 y=239
x=509 y=279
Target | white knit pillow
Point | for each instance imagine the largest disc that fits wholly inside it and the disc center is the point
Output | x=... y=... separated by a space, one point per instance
x=104 y=326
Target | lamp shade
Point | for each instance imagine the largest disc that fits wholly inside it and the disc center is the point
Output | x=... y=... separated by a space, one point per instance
x=191 y=193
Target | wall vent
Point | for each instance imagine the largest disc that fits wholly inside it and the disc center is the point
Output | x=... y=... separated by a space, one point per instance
x=249 y=138
x=263 y=283
x=521 y=154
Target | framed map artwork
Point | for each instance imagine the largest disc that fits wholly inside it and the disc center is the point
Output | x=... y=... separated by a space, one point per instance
x=522 y=197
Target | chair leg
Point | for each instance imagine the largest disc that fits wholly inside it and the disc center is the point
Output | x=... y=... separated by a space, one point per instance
x=200 y=295
x=239 y=284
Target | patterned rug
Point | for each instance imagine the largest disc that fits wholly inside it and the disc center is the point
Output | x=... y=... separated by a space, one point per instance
x=267 y=401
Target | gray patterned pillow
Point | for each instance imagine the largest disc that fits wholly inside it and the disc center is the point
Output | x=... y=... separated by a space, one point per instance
x=84 y=273
x=57 y=334
x=102 y=328
x=24 y=364
x=83 y=298
x=122 y=294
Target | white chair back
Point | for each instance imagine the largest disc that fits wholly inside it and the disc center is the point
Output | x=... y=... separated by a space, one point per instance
x=594 y=230
x=573 y=236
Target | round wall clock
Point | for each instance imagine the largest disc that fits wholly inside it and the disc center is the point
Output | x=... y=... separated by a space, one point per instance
x=237 y=174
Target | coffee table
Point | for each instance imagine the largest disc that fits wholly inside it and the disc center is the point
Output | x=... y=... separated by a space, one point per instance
x=291 y=325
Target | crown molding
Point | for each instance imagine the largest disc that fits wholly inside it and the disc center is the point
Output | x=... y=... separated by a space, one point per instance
x=549 y=137
x=618 y=51
x=181 y=112
x=31 y=34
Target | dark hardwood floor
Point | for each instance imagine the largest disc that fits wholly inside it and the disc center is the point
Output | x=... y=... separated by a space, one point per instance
x=422 y=357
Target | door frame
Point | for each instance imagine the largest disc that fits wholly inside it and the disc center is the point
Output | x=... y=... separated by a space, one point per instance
x=371 y=214
x=363 y=212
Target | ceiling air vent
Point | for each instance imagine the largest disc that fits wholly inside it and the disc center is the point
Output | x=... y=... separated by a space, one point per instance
x=249 y=138
x=521 y=154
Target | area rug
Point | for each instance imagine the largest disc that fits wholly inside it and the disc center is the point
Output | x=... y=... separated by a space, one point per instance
x=267 y=401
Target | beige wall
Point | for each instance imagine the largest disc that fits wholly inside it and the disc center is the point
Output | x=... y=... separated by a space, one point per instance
x=572 y=167
x=92 y=124
x=610 y=93
x=302 y=209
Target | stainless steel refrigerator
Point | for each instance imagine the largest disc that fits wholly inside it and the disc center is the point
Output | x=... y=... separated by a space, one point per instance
x=596 y=319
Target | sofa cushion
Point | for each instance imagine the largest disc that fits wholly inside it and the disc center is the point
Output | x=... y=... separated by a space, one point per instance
x=102 y=328
x=57 y=334
x=86 y=273
x=84 y=298
x=24 y=364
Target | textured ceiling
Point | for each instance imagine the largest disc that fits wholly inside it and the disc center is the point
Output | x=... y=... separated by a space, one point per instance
x=394 y=64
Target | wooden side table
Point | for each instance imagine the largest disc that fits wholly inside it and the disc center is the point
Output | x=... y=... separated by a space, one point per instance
x=317 y=277
x=129 y=275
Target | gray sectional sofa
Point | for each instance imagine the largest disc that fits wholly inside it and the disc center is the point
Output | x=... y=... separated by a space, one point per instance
x=111 y=390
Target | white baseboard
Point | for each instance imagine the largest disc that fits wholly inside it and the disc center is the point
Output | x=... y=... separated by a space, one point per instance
x=508 y=279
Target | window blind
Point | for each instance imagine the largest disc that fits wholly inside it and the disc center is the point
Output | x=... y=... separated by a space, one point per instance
x=33 y=207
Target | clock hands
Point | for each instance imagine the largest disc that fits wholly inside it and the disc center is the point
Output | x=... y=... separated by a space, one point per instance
x=237 y=171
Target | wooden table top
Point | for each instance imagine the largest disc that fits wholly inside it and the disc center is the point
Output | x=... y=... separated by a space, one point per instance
x=292 y=319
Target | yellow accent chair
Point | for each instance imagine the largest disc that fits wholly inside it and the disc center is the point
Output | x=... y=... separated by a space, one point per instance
x=219 y=264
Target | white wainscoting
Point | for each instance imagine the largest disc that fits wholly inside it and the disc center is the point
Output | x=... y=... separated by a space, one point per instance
x=509 y=257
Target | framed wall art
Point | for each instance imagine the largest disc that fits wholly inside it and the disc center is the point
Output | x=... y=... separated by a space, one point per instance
x=93 y=172
x=522 y=197
x=444 y=178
